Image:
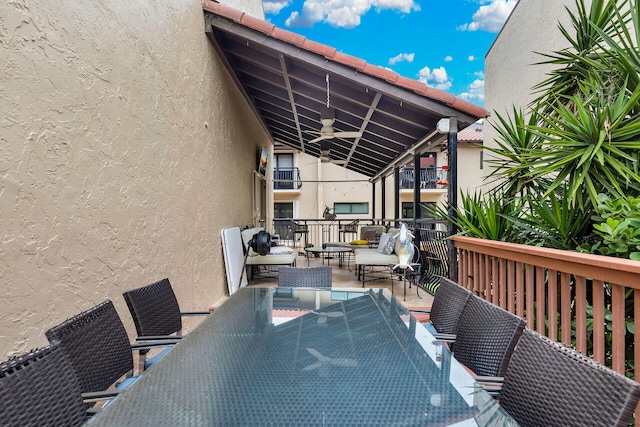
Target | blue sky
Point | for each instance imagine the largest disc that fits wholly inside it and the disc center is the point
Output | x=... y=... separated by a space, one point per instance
x=440 y=42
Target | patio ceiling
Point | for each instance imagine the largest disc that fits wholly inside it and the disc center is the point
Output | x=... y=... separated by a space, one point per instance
x=283 y=76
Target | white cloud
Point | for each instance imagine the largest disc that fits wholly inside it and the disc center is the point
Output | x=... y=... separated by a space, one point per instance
x=475 y=91
x=471 y=58
x=273 y=7
x=402 y=57
x=436 y=78
x=344 y=13
x=448 y=58
x=479 y=74
x=490 y=17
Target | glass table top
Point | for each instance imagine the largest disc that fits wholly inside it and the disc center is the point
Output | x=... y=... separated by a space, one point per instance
x=283 y=356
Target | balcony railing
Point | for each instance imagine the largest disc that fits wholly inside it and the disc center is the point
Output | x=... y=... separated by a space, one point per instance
x=588 y=301
x=286 y=179
x=430 y=178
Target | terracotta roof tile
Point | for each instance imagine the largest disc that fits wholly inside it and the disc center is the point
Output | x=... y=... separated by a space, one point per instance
x=381 y=73
x=258 y=24
x=350 y=61
x=439 y=95
x=415 y=85
x=223 y=10
x=319 y=48
x=331 y=53
x=288 y=36
x=471 y=134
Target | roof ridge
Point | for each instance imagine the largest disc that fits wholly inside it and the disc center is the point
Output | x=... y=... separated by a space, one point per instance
x=331 y=53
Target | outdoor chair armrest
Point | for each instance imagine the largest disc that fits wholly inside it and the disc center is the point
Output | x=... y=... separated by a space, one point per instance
x=152 y=338
x=488 y=380
x=96 y=396
x=445 y=337
x=195 y=313
x=148 y=345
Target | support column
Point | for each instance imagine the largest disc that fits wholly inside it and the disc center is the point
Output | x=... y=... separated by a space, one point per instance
x=417 y=212
x=452 y=143
x=383 y=198
x=396 y=195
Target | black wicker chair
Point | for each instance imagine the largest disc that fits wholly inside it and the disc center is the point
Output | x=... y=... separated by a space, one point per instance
x=485 y=337
x=447 y=306
x=156 y=314
x=97 y=346
x=308 y=277
x=550 y=384
x=40 y=389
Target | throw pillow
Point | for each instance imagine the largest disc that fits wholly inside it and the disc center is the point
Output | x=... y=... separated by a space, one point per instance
x=387 y=243
x=358 y=242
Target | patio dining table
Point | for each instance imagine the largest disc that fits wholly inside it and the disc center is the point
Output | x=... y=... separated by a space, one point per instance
x=283 y=356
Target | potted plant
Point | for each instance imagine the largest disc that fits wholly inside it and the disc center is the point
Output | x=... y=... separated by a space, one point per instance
x=328 y=215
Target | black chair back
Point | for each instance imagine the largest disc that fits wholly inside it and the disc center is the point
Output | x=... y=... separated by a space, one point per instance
x=486 y=336
x=447 y=306
x=308 y=277
x=40 y=389
x=155 y=309
x=550 y=384
x=97 y=346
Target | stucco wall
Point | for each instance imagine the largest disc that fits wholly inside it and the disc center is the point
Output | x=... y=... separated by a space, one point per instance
x=124 y=149
x=510 y=72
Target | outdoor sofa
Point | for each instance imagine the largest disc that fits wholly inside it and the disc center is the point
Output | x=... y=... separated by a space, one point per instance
x=278 y=255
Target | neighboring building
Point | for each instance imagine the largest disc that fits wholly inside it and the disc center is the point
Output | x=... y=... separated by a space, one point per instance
x=511 y=68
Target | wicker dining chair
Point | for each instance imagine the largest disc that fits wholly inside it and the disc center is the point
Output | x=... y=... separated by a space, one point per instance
x=307 y=277
x=40 y=389
x=446 y=308
x=156 y=314
x=485 y=337
x=550 y=384
x=155 y=310
x=97 y=347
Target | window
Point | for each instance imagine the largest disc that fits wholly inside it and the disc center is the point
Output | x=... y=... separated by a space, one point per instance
x=407 y=209
x=282 y=227
x=351 y=208
x=283 y=170
x=283 y=210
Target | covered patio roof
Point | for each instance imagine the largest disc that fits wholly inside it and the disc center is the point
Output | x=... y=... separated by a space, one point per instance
x=285 y=77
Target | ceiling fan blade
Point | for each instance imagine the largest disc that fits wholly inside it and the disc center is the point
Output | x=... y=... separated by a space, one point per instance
x=347 y=134
x=320 y=138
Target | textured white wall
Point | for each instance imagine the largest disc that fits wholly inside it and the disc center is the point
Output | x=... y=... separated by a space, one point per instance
x=510 y=72
x=124 y=149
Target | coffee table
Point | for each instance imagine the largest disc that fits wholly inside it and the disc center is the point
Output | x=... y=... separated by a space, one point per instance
x=326 y=251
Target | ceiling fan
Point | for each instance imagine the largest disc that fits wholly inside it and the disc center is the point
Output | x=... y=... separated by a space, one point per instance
x=325 y=152
x=327 y=117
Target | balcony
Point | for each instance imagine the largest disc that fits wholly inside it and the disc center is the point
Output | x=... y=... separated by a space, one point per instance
x=286 y=179
x=431 y=178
